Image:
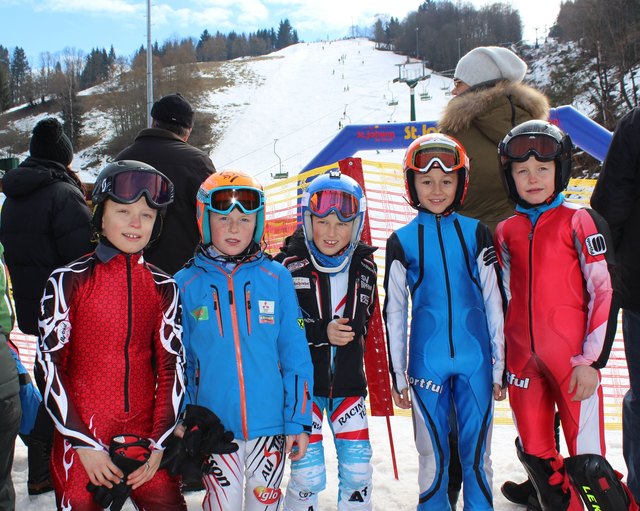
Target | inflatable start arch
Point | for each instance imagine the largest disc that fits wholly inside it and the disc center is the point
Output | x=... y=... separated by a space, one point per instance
x=585 y=133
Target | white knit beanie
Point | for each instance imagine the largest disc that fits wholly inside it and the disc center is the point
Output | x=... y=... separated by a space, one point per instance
x=489 y=63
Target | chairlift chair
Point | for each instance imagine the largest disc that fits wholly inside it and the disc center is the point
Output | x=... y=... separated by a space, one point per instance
x=424 y=95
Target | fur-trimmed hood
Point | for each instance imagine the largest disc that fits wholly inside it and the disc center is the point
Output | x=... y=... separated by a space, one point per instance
x=465 y=108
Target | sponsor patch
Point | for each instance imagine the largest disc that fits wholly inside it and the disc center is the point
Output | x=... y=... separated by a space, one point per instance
x=297 y=265
x=364 y=283
x=201 y=313
x=596 y=244
x=267 y=495
x=63 y=332
x=364 y=299
x=302 y=282
x=267 y=306
x=266 y=309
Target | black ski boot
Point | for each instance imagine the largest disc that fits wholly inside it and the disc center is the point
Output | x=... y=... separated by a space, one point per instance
x=38 y=456
x=547 y=476
x=39 y=443
x=518 y=493
x=455 y=468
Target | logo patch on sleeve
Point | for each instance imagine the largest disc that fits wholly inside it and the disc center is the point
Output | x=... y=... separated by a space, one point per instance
x=201 y=313
x=596 y=244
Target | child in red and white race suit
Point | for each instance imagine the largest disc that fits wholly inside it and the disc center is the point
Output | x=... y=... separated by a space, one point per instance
x=110 y=349
x=335 y=278
x=559 y=328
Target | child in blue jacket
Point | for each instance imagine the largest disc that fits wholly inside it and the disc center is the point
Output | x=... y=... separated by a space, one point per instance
x=446 y=264
x=247 y=355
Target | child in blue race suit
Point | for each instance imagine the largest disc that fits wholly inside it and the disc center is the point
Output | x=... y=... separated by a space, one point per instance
x=335 y=278
x=446 y=264
x=247 y=356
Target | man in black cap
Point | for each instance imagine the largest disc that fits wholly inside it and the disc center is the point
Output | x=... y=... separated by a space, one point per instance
x=164 y=146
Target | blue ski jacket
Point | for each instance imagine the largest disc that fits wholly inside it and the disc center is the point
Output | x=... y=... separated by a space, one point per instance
x=247 y=354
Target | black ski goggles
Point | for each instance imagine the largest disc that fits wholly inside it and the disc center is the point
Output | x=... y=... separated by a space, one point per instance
x=522 y=147
x=223 y=200
x=128 y=186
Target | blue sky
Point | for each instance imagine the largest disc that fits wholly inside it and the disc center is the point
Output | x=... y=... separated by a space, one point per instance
x=53 y=25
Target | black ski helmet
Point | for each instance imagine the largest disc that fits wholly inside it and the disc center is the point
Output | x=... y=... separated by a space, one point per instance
x=125 y=182
x=545 y=142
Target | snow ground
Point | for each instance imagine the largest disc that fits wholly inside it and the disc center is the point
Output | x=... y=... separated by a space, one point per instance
x=388 y=493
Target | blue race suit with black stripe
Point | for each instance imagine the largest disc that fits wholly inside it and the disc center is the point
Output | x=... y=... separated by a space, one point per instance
x=447 y=265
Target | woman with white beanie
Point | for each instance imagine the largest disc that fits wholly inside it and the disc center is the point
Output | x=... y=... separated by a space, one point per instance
x=490 y=100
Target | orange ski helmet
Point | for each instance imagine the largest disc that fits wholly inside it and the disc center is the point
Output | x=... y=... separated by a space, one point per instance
x=223 y=191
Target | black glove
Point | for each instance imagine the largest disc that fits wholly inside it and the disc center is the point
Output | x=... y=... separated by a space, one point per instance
x=204 y=435
x=128 y=453
x=177 y=463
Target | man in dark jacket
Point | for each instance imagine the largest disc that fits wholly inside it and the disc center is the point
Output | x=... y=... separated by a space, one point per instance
x=164 y=146
x=617 y=198
x=10 y=413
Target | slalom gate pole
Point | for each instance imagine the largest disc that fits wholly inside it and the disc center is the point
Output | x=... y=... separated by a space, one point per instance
x=393 y=449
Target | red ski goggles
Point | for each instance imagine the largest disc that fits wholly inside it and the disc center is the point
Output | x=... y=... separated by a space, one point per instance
x=521 y=147
x=128 y=186
x=449 y=158
x=223 y=200
x=343 y=204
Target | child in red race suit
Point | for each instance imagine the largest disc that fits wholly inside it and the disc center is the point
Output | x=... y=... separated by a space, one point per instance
x=111 y=355
x=559 y=327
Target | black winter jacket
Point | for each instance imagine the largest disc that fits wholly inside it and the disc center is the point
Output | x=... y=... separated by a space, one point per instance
x=617 y=198
x=314 y=298
x=9 y=385
x=187 y=167
x=45 y=224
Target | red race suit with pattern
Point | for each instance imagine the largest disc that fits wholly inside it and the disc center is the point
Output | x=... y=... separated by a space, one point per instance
x=111 y=352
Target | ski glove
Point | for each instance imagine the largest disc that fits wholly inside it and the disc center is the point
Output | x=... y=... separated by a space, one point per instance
x=204 y=435
x=128 y=453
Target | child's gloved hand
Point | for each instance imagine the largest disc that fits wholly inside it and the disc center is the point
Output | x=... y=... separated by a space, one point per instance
x=340 y=332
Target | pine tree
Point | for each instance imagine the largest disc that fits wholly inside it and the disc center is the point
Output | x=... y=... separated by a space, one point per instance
x=5 y=89
x=285 y=36
x=19 y=76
